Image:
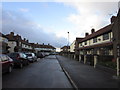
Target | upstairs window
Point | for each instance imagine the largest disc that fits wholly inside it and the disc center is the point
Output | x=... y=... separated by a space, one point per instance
x=94 y=40
x=106 y=36
x=85 y=42
x=80 y=44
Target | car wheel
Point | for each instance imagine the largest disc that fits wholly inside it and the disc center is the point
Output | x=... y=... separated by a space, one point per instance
x=21 y=65
x=36 y=60
x=10 y=69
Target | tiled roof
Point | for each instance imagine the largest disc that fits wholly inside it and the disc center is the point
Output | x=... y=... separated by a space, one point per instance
x=79 y=39
x=97 y=45
x=10 y=38
x=68 y=47
x=2 y=35
x=43 y=46
x=103 y=30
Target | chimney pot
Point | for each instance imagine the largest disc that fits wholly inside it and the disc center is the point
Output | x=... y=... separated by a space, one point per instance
x=92 y=30
x=27 y=40
x=24 y=39
x=113 y=18
x=12 y=33
x=86 y=34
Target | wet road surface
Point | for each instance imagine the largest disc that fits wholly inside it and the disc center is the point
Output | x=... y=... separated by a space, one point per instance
x=46 y=73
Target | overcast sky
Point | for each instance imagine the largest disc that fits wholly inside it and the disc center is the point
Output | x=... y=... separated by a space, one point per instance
x=49 y=22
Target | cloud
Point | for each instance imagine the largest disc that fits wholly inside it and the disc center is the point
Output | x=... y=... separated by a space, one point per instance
x=34 y=32
x=90 y=15
x=24 y=10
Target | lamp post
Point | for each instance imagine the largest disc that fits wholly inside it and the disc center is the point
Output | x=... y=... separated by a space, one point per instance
x=68 y=43
x=68 y=38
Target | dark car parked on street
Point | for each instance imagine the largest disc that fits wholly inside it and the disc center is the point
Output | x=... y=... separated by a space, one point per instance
x=7 y=63
x=31 y=57
x=40 y=55
x=19 y=59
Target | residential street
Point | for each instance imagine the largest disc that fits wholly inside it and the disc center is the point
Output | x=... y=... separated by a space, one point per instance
x=46 y=73
x=85 y=76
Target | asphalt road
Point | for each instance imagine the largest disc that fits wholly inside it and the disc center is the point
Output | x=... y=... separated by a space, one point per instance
x=46 y=73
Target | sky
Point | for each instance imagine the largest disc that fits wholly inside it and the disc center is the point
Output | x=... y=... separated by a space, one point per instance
x=50 y=22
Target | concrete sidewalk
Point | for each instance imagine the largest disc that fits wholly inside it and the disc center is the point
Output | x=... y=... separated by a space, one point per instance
x=85 y=76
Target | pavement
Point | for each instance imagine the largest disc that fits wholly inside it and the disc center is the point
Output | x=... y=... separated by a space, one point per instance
x=86 y=76
x=46 y=73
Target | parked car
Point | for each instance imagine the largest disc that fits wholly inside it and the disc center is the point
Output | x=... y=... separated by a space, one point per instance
x=40 y=55
x=46 y=54
x=7 y=63
x=19 y=59
x=31 y=57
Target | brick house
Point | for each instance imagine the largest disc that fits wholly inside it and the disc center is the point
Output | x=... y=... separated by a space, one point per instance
x=65 y=49
x=3 y=44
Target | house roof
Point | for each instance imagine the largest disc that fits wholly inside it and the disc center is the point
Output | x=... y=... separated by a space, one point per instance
x=64 y=47
x=2 y=35
x=43 y=46
x=79 y=39
x=103 y=30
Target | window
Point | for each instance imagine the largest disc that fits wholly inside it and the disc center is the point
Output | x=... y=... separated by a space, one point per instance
x=106 y=36
x=4 y=58
x=95 y=51
x=85 y=42
x=94 y=40
x=80 y=44
x=104 y=51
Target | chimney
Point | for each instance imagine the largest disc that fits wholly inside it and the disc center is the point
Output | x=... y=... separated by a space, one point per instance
x=113 y=18
x=27 y=41
x=24 y=39
x=43 y=43
x=92 y=30
x=17 y=37
x=12 y=33
x=86 y=34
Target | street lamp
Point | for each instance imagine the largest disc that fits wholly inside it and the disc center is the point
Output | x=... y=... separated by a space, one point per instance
x=68 y=38
x=68 y=42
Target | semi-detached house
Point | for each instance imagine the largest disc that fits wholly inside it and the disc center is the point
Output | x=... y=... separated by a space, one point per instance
x=98 y=43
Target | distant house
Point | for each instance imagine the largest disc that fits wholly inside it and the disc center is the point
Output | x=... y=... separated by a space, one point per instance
x=18 y=44
x=3 y=44
x=72 y=46
x=43 y=48
x=14 y=42
x=65 y=49
x=77 y=41
x=26 y=46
